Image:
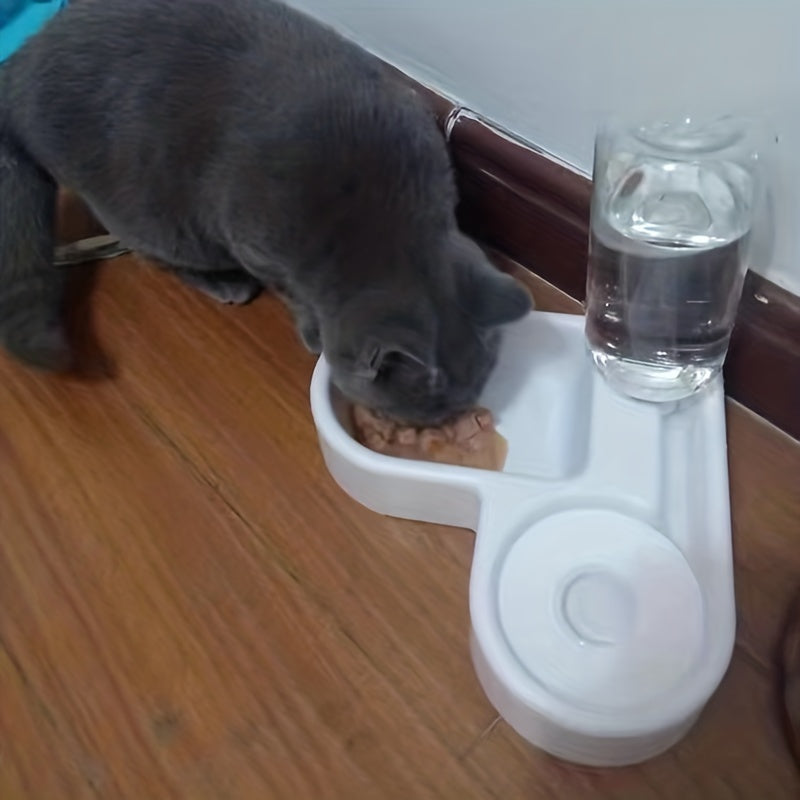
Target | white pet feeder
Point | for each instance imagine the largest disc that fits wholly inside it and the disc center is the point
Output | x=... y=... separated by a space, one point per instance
x=601 y=594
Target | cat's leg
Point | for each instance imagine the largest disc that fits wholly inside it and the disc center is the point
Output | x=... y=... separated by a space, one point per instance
x=196 y=260
x=216 y=276
x=305 y=319
x=274 y=275
x=232 y=286
x=32 y=290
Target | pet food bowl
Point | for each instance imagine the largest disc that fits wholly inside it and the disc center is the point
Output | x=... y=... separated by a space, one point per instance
x=601 y=594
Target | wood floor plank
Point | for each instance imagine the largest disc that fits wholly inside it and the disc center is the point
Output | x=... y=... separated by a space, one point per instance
x=764 y=466
x=166 y=641
x=190 y=608
x=357 y=562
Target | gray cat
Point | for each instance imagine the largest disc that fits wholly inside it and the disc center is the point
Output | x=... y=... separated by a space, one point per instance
x=242 y=144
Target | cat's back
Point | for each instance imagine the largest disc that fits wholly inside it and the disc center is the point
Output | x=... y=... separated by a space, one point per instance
x=176 y=99
x=105 y=56
x=115 y=30
x=149 y=81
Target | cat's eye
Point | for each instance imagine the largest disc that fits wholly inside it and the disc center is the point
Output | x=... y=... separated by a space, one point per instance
x=394 y=359
x=382 y=364
x=375 y=360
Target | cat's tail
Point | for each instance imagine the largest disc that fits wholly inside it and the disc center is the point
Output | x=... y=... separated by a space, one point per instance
x=31 y=287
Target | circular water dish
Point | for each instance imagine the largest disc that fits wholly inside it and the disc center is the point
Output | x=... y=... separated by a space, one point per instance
x=602 y=611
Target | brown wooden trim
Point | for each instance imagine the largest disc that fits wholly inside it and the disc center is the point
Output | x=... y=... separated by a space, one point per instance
x=536 y=211
x=531 y=208
x=763 y=367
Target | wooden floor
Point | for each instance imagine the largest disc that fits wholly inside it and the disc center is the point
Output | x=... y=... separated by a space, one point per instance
x=190 y=608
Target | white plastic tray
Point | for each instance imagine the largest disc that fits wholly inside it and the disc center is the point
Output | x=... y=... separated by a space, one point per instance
x=601 y=593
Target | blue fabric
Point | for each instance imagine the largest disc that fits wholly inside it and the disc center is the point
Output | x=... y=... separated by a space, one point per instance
x=20 y=19
x=9 y=9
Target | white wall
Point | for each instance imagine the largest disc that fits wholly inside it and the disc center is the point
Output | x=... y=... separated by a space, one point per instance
x=548 y=70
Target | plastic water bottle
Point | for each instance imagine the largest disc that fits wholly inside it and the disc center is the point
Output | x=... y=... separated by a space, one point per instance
x=672 y=212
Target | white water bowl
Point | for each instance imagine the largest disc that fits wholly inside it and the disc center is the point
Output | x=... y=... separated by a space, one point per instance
x=601 y=593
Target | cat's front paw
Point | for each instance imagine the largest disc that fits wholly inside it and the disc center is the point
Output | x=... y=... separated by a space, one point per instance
x=229 y=287
x=235 y=293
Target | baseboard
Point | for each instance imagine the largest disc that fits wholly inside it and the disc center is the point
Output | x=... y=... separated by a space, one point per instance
x=535 y=210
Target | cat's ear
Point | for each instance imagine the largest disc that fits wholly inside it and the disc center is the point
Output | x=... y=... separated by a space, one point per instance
x=489 y=296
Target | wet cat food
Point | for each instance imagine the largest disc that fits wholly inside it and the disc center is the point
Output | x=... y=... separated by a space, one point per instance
x=469 y=440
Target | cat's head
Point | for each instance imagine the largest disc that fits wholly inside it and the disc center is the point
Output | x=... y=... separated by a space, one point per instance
x=420 y=351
